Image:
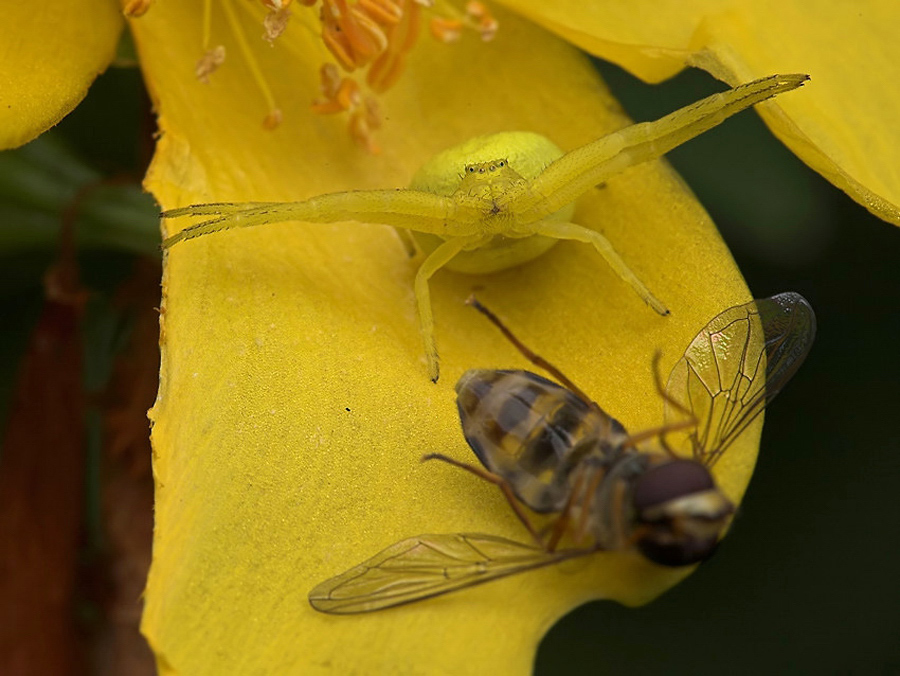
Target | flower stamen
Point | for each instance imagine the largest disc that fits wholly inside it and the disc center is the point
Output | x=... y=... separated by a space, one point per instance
x=273 y=118
x=384 y=12
x=481 y=20
x=344 y=95
x=352 y=36
x=445 y=30
x=379 y=35
x=402 y=36
x=275 y=23
x=209 y=63
x=449 y=23
x=136 y=8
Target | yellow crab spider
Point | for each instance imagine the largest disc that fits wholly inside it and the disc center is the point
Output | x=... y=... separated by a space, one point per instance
x=513 y=200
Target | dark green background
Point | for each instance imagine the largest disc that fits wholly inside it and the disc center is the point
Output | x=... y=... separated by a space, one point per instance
x=807 y=580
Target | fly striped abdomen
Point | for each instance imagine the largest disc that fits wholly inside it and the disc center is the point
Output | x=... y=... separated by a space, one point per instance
x=530 y=431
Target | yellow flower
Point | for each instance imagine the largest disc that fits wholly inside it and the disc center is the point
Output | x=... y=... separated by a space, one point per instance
x=49 y=55
x=293 y=403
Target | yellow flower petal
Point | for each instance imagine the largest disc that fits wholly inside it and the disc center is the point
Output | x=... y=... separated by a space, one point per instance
x=294 y=403
x=49 y=56
x=845 y=124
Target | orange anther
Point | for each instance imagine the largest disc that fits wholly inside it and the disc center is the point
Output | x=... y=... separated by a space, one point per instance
x=278 y=5
x=135 y=8
x=350 y=34
x=325 y=107
x=348 y=95
x=406 y=40
x=385 y=12
x=273 y=119
x=446 y=30
x=385 y=72
x=488 y=28
x=275 y=23
x=362 y=134
x=373 y=112
x=368 y=38
x=482 y=20
x=340 y=94
x=388 y=67
x=209 y=63
x=331 y=80
x=476 y=9
x=339 y=49
x=379 y=34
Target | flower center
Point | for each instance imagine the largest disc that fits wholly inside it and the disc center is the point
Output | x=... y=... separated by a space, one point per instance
x=378 y=35
x=375 y=36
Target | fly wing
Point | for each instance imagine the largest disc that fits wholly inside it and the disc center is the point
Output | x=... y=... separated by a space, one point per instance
x=735 y=367
x=429 y=565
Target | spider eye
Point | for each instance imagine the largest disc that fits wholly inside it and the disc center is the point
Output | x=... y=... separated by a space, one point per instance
x=470 y=169
x=501 y=163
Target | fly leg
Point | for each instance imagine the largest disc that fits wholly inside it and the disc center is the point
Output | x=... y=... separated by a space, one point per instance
x=498 y=481
x=662 y=431
x=527 y=352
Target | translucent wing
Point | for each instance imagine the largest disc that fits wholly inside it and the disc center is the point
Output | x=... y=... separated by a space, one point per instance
x=735 y=367
x=429 y=565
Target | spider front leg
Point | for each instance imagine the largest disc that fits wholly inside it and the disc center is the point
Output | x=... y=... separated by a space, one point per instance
x=411 y=209
x=563 y=230
x=579 y=170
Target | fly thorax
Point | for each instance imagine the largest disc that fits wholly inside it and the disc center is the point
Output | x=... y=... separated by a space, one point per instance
x=679 y=513
x=611 y=513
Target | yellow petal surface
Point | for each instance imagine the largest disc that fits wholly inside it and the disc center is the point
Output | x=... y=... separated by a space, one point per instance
x=845 y=124
x=294 y=404
x=49 y=56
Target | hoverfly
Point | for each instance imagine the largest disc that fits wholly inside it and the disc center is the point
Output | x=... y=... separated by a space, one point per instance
x=550 y=448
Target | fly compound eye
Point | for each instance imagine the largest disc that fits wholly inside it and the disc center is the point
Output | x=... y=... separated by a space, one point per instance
x=667 y=482
x=680 y=512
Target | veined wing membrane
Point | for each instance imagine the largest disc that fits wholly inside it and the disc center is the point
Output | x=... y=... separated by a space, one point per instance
x=429 y=565
x=736 y=365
